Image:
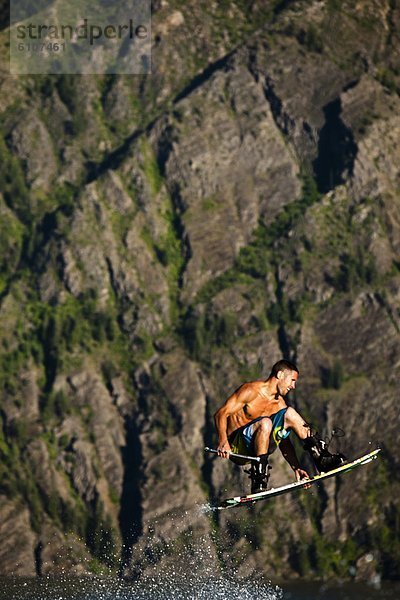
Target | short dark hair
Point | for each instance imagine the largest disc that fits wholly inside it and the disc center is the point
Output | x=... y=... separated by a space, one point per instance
x=283 y=365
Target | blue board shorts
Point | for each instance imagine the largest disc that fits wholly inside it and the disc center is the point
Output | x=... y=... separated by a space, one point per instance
x=241 y=441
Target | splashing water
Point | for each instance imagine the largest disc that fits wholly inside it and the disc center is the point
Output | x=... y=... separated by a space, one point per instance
x=152 y=589
x=173 y=560
x=189 y=567
x=203 y=509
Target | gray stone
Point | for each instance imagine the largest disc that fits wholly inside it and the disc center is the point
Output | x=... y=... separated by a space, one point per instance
x=18 y=540
x=31 y=141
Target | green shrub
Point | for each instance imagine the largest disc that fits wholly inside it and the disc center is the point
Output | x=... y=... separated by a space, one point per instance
x=311 y=39
x=355 y=270
x=333 y=378
x=68 y=90
x=12 y=185
x=100 y=536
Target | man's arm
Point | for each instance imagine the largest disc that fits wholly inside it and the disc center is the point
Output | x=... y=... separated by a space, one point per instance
x=233 y=404
x=289 y=454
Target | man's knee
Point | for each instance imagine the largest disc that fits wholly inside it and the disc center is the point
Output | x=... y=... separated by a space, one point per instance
x=294 y=420
x=292 y=417
x=264 y=426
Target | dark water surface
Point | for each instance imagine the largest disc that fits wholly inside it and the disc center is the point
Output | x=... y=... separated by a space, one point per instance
x=218 y=588
x=325 y=591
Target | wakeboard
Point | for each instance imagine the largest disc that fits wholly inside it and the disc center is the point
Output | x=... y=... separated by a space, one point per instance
x=251 y=499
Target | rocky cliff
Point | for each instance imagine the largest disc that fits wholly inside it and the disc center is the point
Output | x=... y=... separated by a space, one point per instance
x=165 y=238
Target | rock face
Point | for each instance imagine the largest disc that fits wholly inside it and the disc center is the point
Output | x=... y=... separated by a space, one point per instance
x=164 y=240
x=18 y=548
x=32 y=143
x=249 y=175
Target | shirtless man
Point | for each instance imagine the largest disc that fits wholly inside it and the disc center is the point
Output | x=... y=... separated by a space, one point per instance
x=256 y=419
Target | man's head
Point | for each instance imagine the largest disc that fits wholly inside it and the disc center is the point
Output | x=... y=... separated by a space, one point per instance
x=286 y=374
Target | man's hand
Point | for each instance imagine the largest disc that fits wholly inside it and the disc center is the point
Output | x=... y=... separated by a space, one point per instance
x=301 y=474
x=224 y=449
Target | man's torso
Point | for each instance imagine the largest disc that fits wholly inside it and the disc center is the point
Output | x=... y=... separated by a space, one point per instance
x=261 y=404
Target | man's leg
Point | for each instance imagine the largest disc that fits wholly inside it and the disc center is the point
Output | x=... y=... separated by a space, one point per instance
x=260 y=440
x=315 y=446
x=296 y=422
x=261 y=434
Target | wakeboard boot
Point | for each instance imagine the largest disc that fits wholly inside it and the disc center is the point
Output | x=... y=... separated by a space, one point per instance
x=323 y=459
x=259 y=474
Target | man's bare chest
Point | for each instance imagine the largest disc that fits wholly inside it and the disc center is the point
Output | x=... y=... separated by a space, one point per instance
x=263 y=407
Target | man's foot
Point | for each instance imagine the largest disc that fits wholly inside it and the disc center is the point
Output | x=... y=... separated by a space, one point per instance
x=324 y=460
x=259 y=475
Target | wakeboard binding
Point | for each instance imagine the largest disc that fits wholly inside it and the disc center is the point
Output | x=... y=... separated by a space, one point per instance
x=259 y=474
x=323 y=459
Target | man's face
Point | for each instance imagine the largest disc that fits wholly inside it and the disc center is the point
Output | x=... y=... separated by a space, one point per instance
x=287 y=381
